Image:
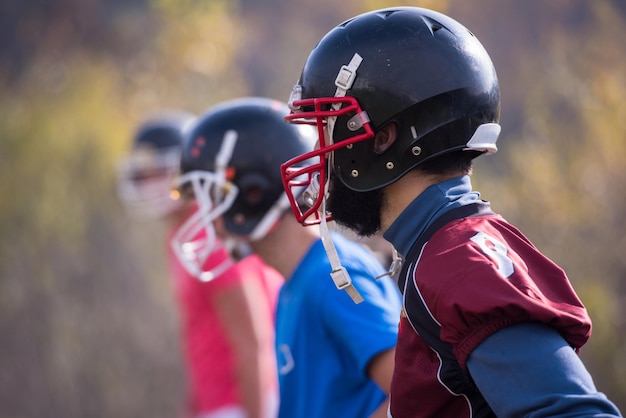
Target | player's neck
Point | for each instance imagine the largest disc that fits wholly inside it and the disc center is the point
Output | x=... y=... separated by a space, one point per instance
x=285 y=246
x=400 y=194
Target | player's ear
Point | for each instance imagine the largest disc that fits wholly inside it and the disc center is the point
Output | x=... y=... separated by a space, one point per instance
x=385 y=137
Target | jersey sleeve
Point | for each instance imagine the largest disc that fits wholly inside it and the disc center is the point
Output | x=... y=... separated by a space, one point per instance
x=495 y=278
x=547 y=368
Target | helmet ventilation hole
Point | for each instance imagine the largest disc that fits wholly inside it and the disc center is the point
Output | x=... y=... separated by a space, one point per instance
x=354 y=173
x=433 y=25
x=390 y=165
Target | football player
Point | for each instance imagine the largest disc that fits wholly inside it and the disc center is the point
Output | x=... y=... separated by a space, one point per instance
x=227 y=319
x=403 y=100
x=335 y=357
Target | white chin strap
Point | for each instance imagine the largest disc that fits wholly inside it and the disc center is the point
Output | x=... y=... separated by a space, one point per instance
x=343 y=82
x=270 y=218
x=339 y=274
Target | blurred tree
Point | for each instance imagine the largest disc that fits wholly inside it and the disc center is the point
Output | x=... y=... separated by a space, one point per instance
x=84 y=302
x=564 y=185
x=69 y=291
x=88 y=325
x=190 y=62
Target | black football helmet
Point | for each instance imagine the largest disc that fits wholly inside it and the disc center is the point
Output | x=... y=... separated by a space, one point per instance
x=145 y=176
x=231 y=163
x=415 y=67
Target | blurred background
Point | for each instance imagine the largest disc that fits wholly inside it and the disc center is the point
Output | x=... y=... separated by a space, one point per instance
x=88 y=326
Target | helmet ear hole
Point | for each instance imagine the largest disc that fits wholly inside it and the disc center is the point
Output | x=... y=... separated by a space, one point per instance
x=385 y=137
x=254 y=189
x=253 y=195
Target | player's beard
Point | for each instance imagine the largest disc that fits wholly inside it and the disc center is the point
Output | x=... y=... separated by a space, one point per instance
x=358 y=211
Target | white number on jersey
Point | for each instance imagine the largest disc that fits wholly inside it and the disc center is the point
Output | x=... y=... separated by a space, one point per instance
x=495 y=250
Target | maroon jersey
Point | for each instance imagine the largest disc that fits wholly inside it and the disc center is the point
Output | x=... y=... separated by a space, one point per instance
x=474 y=276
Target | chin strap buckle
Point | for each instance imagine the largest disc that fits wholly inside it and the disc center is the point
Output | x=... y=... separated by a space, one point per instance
x=396 y=265
x=343 y=282
x=339 y=274
x=347 y=74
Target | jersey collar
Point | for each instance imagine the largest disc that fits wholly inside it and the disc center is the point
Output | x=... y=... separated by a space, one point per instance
x=428 y=206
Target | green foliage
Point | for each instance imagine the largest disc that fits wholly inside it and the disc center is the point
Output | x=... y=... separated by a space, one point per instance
x=85 y=304
x=58 y=150
x=565 y=184
x=191 y=63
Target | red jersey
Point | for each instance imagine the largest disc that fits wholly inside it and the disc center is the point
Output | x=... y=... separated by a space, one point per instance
x=209 y=356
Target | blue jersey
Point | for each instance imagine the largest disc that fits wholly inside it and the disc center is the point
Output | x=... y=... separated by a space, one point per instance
x=324 y=341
